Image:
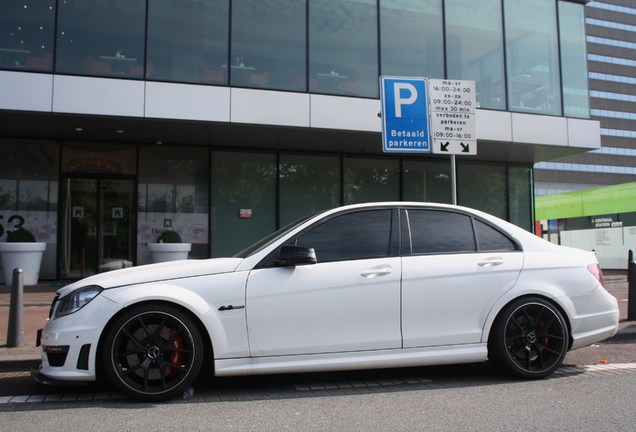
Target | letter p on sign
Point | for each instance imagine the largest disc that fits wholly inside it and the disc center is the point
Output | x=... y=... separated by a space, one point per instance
x=401 y=89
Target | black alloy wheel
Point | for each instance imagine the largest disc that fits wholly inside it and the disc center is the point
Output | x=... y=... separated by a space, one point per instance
x=152 y=352
x=530 y=338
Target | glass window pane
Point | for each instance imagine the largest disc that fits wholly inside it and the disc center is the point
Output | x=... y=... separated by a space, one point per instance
x=359 y=235
x=101 y=38
x=343 y=47
x=576 y=102
x=411 y=38
x=100 y=158
x=520 y=196
x=308 y=184
x=482 y=186
x=243 y=200
x=474 y=48
x=427 y=181
x=367 y=180
x=268 y=44
x=29 y=185
x=178 y=201
x=490 y=239
x=440 y=232
x=27 y=30
x=188 y=40
x=532 y=56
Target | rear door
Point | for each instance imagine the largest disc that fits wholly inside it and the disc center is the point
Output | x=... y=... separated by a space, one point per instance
x=457 y=269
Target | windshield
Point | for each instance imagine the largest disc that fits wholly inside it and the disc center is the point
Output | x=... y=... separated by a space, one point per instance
x=266 y=241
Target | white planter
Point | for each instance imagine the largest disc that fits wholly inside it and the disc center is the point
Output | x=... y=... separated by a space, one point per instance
x=27 y=256
x=162 y=252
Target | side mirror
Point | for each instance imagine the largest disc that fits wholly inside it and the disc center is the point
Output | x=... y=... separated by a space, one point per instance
x=296 y=255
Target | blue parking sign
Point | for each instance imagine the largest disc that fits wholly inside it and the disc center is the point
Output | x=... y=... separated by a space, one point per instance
x=404 y=114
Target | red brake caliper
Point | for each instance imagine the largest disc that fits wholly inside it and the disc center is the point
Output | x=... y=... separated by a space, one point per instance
x=175 y=357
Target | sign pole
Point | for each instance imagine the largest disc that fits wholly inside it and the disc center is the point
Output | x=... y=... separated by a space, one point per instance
x=453 y=169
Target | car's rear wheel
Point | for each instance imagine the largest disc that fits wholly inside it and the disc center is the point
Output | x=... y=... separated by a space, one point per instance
x=152 y=352
x=529 y=338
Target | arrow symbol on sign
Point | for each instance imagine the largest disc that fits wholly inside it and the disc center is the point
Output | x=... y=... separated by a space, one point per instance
x=444 y=146
x=465 y=148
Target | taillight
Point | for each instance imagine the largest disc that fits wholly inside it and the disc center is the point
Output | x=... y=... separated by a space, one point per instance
x=596 y=270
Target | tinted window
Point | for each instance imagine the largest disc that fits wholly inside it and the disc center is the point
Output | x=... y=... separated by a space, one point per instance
x=358 y=235
x=490 y=239
x=435 y=231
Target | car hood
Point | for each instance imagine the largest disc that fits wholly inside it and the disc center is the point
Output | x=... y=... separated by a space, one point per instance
x=156 y=272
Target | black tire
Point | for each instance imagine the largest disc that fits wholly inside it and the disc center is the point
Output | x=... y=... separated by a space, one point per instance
x=529 y=338
x=152 y=352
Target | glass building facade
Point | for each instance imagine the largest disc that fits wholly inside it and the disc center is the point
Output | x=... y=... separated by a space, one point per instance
x=524 y=56
x=98 y=192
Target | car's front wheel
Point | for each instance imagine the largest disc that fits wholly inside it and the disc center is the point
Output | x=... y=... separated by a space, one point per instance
x=529 y=338
x=152 y=352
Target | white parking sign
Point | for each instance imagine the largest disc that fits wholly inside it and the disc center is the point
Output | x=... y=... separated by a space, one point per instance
x=404 y=114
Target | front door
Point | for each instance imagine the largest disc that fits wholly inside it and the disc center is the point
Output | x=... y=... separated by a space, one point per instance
x=97 y=226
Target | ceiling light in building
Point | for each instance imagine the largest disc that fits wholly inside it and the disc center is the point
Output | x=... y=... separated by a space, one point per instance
x=79 y=129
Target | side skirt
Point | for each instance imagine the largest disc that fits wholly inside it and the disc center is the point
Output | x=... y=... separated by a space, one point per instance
x=411 y=357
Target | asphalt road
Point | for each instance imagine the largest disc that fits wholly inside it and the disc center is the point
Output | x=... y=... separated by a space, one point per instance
x=466 y=398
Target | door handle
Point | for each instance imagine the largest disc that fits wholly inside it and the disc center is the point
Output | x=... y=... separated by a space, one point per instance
x=491 y=262
x=376 y=271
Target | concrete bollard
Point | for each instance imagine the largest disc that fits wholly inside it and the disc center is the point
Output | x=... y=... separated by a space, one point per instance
x=15 y=333
x=631 y=283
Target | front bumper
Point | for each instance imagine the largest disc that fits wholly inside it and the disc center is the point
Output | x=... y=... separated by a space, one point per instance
x=70 y=343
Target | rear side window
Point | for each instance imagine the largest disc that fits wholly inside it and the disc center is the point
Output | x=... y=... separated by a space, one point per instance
x=434 y=231
x=359 y=235
x=490 y=239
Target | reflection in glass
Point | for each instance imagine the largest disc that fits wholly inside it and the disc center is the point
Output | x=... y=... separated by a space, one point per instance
x=243 y=200
x=520 y=196
x=576 y=102
x=343 y=47
x=268 y=44
x=483 y=186
x=29 y=193
x=101 y=38
x=173 y=194
x=411 y=38
x=187 y=40
x=427 y=181
x=474 y=48
x=532 y=56
x=371 y=180
x=308 y=184
x=27 y=30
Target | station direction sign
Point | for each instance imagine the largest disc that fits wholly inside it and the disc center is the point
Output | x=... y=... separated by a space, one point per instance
x=452 y=115
x=405 y=119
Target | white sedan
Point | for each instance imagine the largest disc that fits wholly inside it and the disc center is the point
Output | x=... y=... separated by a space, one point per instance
x=364 y=286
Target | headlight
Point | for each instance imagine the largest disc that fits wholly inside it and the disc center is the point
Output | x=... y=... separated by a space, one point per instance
x=76 y=300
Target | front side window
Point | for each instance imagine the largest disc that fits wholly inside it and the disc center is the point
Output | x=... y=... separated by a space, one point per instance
x=359 y=235
x=434 y=231
x=101 y=38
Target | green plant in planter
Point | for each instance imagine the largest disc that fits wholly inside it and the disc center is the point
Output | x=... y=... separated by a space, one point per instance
x=169 y=237
x=20 y=235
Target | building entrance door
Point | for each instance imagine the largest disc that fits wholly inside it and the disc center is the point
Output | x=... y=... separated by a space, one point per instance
x=97 y=226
